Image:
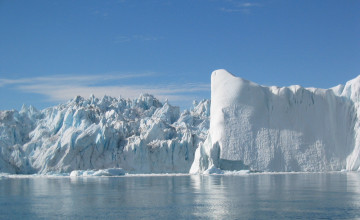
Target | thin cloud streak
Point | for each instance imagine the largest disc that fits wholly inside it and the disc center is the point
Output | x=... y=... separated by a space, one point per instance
x=248 y=5
x=71 y=79
x=66 y=92
x=63 y=88
x=242 y=7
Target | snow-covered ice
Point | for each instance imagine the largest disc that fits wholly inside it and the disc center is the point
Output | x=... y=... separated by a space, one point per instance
x=252 y=128
x=280 y=129
x=139 y=136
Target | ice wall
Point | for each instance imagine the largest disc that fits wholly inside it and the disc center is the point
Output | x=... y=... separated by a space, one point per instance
x=140 y=136
x=251 y=127
x=280 y=129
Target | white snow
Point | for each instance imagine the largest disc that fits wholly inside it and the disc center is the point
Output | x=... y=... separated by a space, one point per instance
x=280 y=129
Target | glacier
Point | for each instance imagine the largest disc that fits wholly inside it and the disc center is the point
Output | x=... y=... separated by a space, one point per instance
x=260 y=128
x=138 y=136
x=246 y=126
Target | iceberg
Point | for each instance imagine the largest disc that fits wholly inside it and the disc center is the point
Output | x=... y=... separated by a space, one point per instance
x=260 y=128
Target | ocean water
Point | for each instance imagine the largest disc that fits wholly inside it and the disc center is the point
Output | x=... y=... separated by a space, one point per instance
x=252 y=196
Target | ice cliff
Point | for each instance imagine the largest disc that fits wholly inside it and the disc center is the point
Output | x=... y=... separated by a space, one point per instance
x=280 y=129
x=139 y=136
x=252 y=127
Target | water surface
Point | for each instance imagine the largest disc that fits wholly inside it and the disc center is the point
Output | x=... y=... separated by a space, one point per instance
x=255 y=196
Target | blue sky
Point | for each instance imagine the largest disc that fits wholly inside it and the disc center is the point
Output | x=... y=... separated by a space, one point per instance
x=51 y=51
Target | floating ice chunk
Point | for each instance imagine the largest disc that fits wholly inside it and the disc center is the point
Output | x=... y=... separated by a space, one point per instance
x=213 y=170
x=237 y=172
x=104 y=172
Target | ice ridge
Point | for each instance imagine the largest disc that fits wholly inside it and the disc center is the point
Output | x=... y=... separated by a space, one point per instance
x=139 y=136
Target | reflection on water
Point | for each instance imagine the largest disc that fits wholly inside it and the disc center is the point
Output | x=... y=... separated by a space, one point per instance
x=260 y=196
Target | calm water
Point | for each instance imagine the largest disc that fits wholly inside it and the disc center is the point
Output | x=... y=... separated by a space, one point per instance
x=262 y=196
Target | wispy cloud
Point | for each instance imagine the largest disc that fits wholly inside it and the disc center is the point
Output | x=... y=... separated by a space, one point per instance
x=239 y=6
x=71 y=79
x=248 y=5
x=61 y=88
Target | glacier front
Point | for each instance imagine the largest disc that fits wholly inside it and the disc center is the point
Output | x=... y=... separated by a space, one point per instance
x=246 y=127
x=280 y=129
x=140 y=136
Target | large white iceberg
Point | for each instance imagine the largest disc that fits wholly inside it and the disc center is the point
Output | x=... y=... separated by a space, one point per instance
x=280 y=129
